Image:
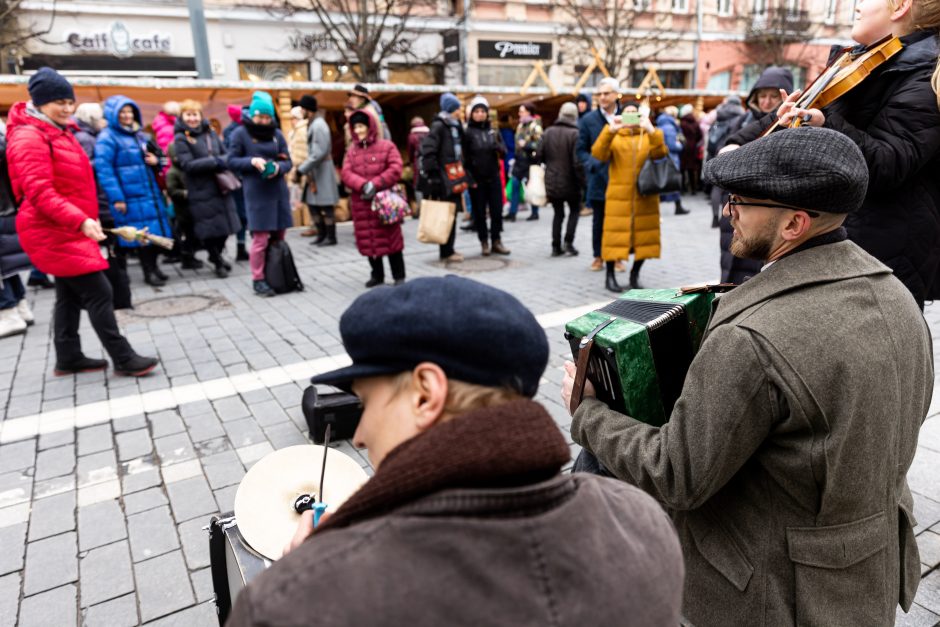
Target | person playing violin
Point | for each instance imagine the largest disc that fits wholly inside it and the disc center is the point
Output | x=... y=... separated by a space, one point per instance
x=893 y=116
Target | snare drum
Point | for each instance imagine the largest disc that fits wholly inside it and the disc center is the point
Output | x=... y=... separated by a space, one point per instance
x=233 y=563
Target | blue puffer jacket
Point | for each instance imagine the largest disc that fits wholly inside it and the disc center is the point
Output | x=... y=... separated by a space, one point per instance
x=670 y=127
x=125 y=177
x=589 y=127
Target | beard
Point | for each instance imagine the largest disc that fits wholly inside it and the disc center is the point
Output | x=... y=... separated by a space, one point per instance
x=757 y=246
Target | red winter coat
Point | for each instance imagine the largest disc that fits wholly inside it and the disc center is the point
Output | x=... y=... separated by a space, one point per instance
x=51 y=173
x=375 y=160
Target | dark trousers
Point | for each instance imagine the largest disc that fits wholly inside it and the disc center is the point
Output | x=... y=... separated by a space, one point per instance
x=239 y=197
x=324 y=212
x=597 y=231
x=397 y=263
x=11 y=291
x=148 y=258
x=574 y=209
x=448 y=249
x=214 y=246
x=93 y=293
x=487 y=195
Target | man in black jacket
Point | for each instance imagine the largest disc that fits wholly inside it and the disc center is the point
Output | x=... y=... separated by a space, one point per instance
x=484 y=149
x=564 y=176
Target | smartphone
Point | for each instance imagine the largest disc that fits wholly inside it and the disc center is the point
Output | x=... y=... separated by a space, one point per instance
x=630 y=119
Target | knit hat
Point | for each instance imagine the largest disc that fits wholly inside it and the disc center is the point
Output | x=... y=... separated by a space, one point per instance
x=359 y=117
x=811 y=168
x=308 y=102
x=449 y=102
x=261 y=103
x=479 y=101
x=568 y=111
x=47 y=85
x=685 y=110
x=235 y=113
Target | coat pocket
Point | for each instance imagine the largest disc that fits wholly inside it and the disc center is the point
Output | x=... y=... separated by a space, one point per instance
x=839 y=572
x=720 y=550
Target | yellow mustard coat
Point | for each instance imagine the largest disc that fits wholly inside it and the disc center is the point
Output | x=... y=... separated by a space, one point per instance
x=631 y=221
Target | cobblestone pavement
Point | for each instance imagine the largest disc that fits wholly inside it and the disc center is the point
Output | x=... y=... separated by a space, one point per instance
x=106 y=482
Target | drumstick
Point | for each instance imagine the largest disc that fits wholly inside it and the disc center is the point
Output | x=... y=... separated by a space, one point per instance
x=320 y=506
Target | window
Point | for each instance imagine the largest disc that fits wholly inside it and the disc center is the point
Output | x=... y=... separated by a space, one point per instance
x=752 y=73
x=671 y=79
x=720 y=81
x=760 y=7
x=641 y=5
x=338 y=73
x=680 y=6
x=401 y=73
x=793 y=6
x=504 y=75
x=594 y=78
x=267 y=71
x=832 y=7
x=724 y=7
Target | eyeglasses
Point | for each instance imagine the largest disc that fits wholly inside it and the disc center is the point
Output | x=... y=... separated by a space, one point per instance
x=734 y=200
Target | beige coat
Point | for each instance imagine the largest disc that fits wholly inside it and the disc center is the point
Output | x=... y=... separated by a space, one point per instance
x=784 y=462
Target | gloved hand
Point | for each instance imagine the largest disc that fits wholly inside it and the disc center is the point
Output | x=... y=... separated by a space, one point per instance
x=368 y=191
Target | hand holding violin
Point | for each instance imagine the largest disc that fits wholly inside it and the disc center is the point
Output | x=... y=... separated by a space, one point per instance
x=788 y=111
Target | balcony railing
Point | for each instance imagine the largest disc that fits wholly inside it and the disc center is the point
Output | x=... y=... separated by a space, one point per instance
x=779 y=23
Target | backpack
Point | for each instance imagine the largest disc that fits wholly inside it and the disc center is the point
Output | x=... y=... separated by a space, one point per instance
x=717 y=133
x=279 y=269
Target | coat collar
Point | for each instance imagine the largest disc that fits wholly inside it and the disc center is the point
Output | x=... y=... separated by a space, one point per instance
x=814 y=266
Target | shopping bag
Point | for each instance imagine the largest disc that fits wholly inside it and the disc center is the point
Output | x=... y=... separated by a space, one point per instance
x=535 y=186
x=436 y=221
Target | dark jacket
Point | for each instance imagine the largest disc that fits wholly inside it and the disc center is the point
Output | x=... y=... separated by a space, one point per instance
x=376 y=160
x=176 y=188
x=87 y=136
x=483 y=149
x=894 y=119
x=670 y=128
x=589 y=128
x=12 y=257
x=689 y=158
x=415 y=137
x=788 y=481
x=564 y=176
x=528 y=137
x=201 y=155
x=470 y=523
x=437 y=150
x=728 y=117
x=267 y=200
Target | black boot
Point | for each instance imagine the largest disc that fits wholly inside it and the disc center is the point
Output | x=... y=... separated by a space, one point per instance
x=241 y=253
x=557 y=251
x=330 y=236
x=635 y=275
x=321 y=232
x=680 y=211
x=611 y=281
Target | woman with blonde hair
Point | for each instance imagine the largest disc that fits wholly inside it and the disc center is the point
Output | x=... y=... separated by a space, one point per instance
x=631 y=221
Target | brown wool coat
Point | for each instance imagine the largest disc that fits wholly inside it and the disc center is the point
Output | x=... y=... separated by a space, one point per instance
x=631 y=221
x=785 y=459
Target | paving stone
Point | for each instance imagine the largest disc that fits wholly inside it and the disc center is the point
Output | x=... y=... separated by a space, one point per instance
x=231 y=408
x=284 y=435
x=52 y=515
x=106 y=573
x=195 y=408
x=244 y=432
x=17 y=456
x=250 y=454
x=165 y=423
x=13 y=541
x=195 y=542
x=223 y=469
x=129 y=423
x=181 y=471
x=917 y=617
x=144 y=500
x=97 y=468
x=120 y=612
x=928 y=593
x=139 y=474
x=210 y=448
x=190 y=498
x=50 y=562
x=10 y=597
x=268 y=413
x=94 y=440
x=133 y=444
x=55 y=462
x=926 y=512
x=204 y=427
x=151 y=533
x=55 y=607
x=106 y=491
x=225 y=499
x=202 y=585
x=100 y=524
x=174 y=448
x=56 y=439
x=163 y=586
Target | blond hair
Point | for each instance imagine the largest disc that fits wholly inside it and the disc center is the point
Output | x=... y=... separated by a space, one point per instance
x=190 y=105
x=462 y=396
x=925 y=15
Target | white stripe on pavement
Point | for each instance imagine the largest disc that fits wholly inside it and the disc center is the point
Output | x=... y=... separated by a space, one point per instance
x=15 y=429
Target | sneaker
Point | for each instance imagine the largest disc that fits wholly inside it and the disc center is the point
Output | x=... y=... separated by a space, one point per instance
x=225 y=264
x=469 y=226
x=499 y=249
x=597 y=265
x=11 y=323
x=136 y=366
x=531 y=218
x=22 y=308
x=262 y=288
x=372 y=282
x=83 y=364
x=221 y=271
x=619 y=266
x=44 y=282
x=509 y=218
x=454 y=258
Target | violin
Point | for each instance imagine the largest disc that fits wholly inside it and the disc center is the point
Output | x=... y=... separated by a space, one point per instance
x=849 y=70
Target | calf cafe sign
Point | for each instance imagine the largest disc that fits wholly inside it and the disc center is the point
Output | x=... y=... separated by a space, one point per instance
x=502 y=49
x=120 y=42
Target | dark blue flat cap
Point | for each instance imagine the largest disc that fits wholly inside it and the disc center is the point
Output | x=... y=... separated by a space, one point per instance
x=474 y=332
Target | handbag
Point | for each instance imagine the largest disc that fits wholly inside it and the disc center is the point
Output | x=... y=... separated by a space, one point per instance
x=457 y=181
x=391 y=206
x=225 y=179
x=659 y=176
x=436 y=221
x=535 y=186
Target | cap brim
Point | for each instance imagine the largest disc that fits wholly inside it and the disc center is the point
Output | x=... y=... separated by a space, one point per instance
x=344 y=377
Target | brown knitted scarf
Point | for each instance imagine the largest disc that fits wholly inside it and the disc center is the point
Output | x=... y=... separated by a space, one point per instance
x=512 y=444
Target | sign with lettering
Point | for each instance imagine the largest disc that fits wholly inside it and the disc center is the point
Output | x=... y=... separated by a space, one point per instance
x=308 y=42
x=503 y=49
x=451 y=46
x=120 y=42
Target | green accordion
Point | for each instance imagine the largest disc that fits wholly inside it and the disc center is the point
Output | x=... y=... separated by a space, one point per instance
x=637 y=350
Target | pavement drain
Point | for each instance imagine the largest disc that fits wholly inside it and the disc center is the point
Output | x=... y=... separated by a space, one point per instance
x=168 y=306
x=474 y=265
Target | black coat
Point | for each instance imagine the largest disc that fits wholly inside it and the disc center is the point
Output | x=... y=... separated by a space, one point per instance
x=437 y=150
x=213 y=213
x=12 y=257
x=564 y=176
x=894 y=118
x=483 y=148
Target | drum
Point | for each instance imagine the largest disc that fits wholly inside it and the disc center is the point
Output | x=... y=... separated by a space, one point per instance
x=233 y=563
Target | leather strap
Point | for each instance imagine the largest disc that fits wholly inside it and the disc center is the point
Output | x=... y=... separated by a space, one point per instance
x=581 y=365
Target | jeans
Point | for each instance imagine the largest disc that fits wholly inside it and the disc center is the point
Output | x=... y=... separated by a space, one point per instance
x=586 y=462
x=259 y=245
x=597 y=231
x=574 y=208
x=396 y=261
x=487 y=194
x=11 y=291
x=93 y=293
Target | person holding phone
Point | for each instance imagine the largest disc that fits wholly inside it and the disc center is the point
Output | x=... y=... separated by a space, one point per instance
x=631 y=221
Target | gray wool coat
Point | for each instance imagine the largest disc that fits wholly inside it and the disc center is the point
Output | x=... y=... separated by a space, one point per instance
x=318 y=167
x=784 y=461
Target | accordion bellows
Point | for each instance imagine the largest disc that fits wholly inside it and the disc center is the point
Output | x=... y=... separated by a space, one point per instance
x=642 y=353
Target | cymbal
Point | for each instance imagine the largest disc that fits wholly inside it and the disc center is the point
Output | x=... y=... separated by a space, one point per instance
x=264 y=502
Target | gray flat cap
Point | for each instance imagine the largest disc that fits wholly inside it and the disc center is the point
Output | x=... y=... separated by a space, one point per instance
x=812 y=168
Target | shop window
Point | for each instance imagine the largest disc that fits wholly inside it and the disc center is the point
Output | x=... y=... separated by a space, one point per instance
x=671 y=79
x=504 y=75
x=267 y=71
x=593 y=79
x=719 y=82
x=404 y=74
x=338 y=73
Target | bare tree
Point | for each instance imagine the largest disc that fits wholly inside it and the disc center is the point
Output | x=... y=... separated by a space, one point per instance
x=16 y=32
x=777 y=35
x=366 y=33
x=610 y=27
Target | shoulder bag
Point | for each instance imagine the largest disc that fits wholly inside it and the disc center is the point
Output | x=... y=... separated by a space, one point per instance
x=659 y=176
x=226 y=179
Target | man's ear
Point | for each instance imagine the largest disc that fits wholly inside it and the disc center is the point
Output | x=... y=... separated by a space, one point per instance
x=795 y=226
x=429 y=394
x=903 y=11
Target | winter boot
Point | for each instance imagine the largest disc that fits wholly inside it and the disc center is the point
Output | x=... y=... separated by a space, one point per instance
x=611 y=280
x=26 y=314
x=499 y=249
x=557 y=251
x=330 y=236
x=485 y=248
x=321 y=232
x=11 y=323
x=241 y=253
x=570 y=250
x=635 y=275
x=680 y=211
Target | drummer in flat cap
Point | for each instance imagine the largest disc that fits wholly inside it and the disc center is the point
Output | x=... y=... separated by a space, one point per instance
x=467 y=520
x=784 y=460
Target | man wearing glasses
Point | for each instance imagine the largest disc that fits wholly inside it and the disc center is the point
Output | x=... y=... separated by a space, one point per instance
x=784 y=461
x=589 y=127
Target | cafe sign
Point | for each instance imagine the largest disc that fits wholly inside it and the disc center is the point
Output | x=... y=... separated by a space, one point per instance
x=503 y=49
x=120 y=42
